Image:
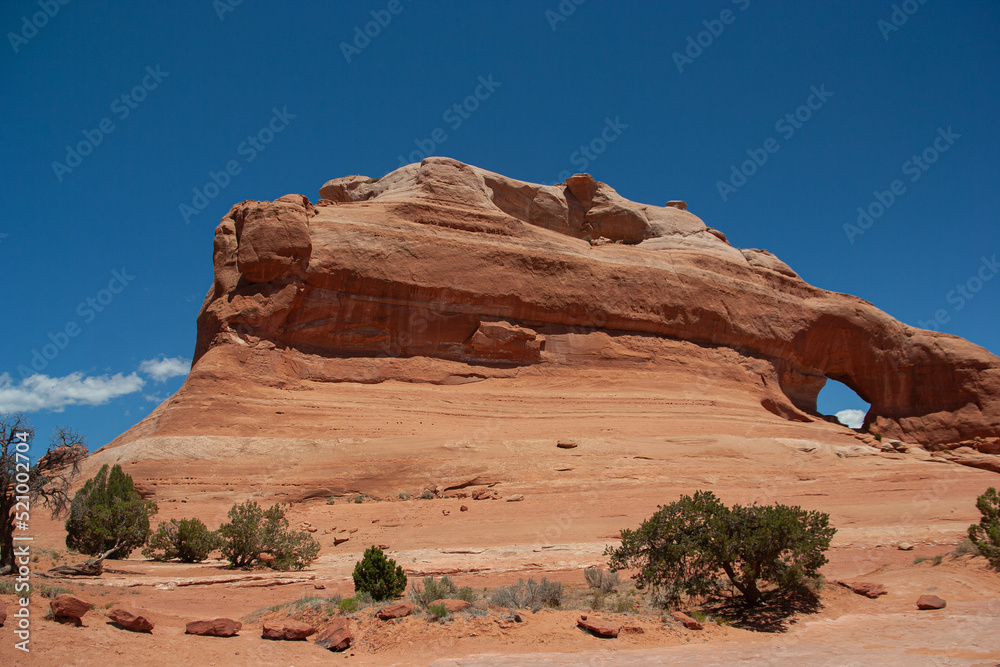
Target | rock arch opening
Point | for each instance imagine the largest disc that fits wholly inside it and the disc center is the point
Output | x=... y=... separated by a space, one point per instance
x=843 y=403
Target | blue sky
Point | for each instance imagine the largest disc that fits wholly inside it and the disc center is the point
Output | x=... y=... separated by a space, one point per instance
x=116 y=113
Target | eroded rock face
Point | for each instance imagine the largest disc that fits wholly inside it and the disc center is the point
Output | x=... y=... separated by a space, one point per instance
x=444 y=261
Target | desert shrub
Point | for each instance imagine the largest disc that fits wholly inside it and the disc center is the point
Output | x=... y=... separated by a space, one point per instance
x=965 y=548
x=188 y=540
x=431 y=590
x=600 y=579
x=936 y=560
x=528 y=595
x=985 y=535
x=108 y=514
x=444 y=588
x=378 y=576
x=685 y=546
x=252 y=531
x=427 y=494
x=438 y=611
x=624 y=603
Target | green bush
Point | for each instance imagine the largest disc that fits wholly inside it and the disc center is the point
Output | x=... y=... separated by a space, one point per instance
x=528 y=595
x=439 y=590
x=252 y=531
x=438 y=611
x=985 y=535
x=378 y=576
x=108 y=513
x=685 y=546
x=188 y=540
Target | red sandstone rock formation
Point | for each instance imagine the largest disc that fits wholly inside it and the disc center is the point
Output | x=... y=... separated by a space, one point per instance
x=443 y=272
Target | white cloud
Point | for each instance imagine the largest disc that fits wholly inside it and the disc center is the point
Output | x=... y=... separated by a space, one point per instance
x=41 y=392
x=165 y=368
x=851 y=418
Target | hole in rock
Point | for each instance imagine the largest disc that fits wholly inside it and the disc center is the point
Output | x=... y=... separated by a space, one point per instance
x=839 y=400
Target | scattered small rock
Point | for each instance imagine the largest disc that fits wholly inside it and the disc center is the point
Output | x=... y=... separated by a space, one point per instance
x=319 y=587
x=904 y=546
x=130 y=621
x=686 y=621
x=516 y=498
x=218 y=627
x=445 y=512
x=383 y=547
x=337 y=635
x=341 y=538
x=930 y=602
x=265 y=558
x=869 y=590
x=518 y=618
x=566 y=444
x=599 y=627
x=677 y=203
x=69 y=609
x=394 y=611
x=633 y=630
x=463 y=508
x=288 y=630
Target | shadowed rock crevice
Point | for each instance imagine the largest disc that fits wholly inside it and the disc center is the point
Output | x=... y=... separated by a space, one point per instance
x=442 y=260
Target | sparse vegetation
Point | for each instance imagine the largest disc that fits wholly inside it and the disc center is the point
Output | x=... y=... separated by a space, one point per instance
x=432 y=590
x=936 y=560
x=188 y=540
x=438 y=611
x=601 y=580
x=108 y=515
x=687 y=545
x=378 y=576
x=427 y=494
x=252 y=531
x=878 y=436
x=528 y=595
x=965 y=548
x=359 y=601
x=985 y=535
x=405 y=496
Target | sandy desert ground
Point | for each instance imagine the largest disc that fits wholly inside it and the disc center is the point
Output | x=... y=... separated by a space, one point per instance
x=639 y=444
